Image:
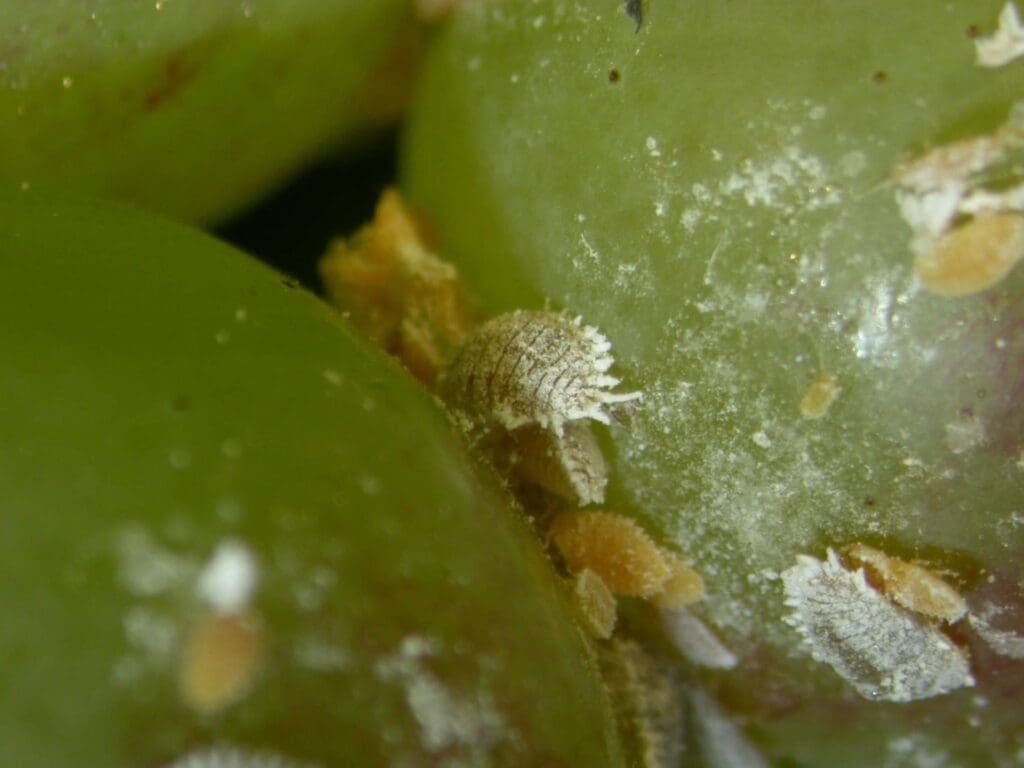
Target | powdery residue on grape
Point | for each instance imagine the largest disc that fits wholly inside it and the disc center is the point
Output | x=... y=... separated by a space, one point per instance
x=457 y=728
x=883 y=652
x=229 y=579
x=147 y=568
x=758 y=254
x=1006 y=43
x=917 y=751
x=235 y=757
x=156 y=577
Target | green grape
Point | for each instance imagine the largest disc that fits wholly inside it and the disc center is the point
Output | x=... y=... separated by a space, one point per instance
x=188 y=107
x=730 y=194
x=232 y=534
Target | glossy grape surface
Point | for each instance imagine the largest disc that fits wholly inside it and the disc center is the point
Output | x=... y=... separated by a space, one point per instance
x=189 y=107
x=164 y=396
x=716 y=193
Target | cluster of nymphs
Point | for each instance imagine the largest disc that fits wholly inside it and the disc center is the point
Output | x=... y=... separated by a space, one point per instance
x=526 y=387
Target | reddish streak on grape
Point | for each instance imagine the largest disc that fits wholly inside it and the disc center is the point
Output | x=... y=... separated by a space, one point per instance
x=180 y=70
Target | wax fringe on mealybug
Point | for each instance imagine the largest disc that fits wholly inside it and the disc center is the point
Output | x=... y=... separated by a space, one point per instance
x=232 y=757
x=533 y=367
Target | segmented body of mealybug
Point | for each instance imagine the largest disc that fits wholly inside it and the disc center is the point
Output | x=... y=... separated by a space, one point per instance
x=532 y=368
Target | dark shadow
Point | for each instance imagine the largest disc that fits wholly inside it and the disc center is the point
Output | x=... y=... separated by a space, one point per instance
x=290 y=229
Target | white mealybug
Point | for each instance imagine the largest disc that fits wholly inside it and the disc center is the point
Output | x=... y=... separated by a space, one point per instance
x=883 y=651
x=537 y=378
x=533 y=367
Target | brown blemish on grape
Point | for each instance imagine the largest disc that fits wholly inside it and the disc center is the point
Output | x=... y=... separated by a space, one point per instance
x=180 y=70
x=819 y=396
x=396 y=289
x=596 y=604
x=880 y=77
x=386 y=91
x=909 y=585
x=973 y=257
x=221 y=661
x=683 y=587
x=613 y=76
x=613 y=547
x=635 y=11
x=431 y=11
